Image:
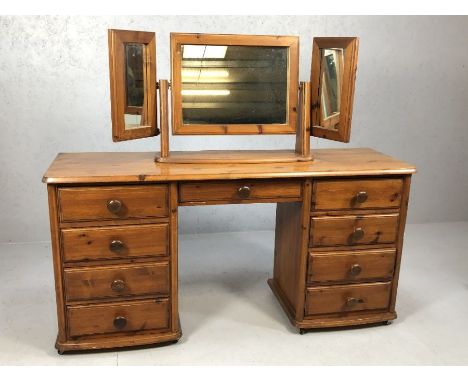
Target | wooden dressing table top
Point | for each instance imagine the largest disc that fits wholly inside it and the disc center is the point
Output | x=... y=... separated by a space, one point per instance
x=105 y=167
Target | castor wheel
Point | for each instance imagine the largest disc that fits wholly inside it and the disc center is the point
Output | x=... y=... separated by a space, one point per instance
x=387 y=323
x=60 y=352
x=302 y=331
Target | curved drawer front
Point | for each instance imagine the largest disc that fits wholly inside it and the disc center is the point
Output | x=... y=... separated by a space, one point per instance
x=113 y=203
x=115 y=318
x=115 y=242
x=353 y=230
x=347 y=298
x=116 y=281
x=356 y=194
x=351 y=266
x=236 y=191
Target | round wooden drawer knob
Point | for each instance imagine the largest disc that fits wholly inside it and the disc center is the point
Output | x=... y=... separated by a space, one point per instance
x=353 y=301
x=120 y=322
x=118 y=285
x=117 y=246
x=114 y=206
x=355 y=270
x=358 y=234
x=244 y=192
x=361 y=196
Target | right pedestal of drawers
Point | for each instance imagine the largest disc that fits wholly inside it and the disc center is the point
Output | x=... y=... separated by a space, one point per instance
x=341 y=268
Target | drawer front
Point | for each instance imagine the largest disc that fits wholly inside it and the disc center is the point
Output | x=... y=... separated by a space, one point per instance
x=351 y=194
x=346 y=298
x=109 y=203
x=353 y=230
x=115 y=243
x=350 y=266
x=116 y=281
x=115 y=318
x=239 y=190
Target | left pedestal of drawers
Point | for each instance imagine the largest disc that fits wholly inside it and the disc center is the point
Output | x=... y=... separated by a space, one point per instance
x=115 y=264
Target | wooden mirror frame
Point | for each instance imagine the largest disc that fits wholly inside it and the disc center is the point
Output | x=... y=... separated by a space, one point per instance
x=179 y=128
x=117 y=41
x=350 y=45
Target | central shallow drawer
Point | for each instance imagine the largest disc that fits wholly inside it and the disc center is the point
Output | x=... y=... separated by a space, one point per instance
x=114 y=318
x=347 y=298
x=353 y=230
x=350 y=266
x=116 y=202
x=115 y=242
x=116 y=281
x=236 y=191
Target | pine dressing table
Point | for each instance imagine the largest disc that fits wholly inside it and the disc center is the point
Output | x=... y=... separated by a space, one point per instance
x=340 y=219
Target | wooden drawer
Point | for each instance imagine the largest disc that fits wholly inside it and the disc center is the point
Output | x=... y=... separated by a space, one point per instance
x=351 y=194
x=351 y=266
x=115 y=242
x=114 y=318
x=240 y=190
x=353 y=230
x=117 y=202
x=347 y=298
x=116 y=281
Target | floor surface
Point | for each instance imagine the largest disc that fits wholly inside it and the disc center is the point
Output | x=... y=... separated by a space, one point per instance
x=229 y=316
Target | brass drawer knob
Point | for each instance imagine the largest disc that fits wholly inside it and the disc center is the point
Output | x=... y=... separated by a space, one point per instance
x=117 y=246
x=118 y=285
x=355 y=270
x=353 y=301
x=114 y=206
x=361 y=196
x=120 y=322
x=357 y=234
x=244 y=192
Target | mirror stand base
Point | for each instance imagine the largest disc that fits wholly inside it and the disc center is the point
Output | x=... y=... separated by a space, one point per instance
x=234 y=156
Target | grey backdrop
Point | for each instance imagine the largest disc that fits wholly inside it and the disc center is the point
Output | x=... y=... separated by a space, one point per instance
x=411 y=102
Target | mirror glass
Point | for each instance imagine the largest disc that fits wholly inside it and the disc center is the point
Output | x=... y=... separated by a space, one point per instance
x=331 y=78
x=234 y=84
x=134 y=85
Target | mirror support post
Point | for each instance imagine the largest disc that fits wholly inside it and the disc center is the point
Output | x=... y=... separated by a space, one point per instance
x=303 y=125
x=163 y=86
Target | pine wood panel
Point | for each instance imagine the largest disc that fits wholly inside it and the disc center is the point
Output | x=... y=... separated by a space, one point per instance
x=95 y=243
x=339 y=230
x=350 y=266
x=133 y=280
x=140 y=167
x=90 y=203
x=99 y=318
x=401 y=234
x=343 y=194
x=332 y=299
x=234 y=157
x=227 y=191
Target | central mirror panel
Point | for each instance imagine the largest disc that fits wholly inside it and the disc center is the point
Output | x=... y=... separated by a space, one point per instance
x=234 y=84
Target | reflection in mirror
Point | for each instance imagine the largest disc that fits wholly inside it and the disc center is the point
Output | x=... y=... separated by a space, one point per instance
x=134 y=86
x=331 y=78
x=234 y=84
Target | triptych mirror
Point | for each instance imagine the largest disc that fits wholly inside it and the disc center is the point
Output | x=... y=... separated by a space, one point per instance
x=233 y=84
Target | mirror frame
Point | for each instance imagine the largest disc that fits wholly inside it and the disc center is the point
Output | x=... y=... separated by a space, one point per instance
x=117 y=41
x=179 y=128
x=350 y=45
